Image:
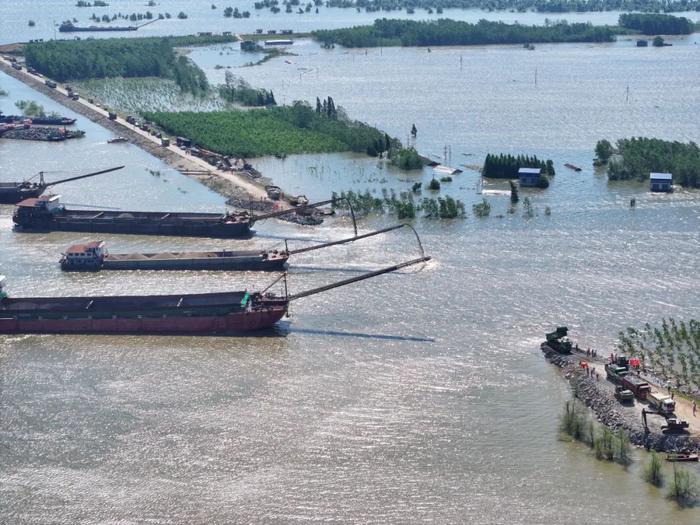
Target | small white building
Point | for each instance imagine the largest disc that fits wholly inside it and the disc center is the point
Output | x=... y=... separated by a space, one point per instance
x=529 y=177
x=661 y=182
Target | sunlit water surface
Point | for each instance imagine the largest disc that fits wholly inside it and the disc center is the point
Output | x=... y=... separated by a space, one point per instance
x=420 y=396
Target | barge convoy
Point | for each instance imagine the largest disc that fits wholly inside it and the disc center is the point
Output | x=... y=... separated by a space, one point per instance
x=46 y=213
x=93 y=257
x=14 y=192
x=223 y=313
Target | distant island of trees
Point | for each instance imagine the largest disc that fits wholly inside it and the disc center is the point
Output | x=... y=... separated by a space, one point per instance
x=446 y=32
x=542 y=6
x=507 y=166
x=635 y=158
x=656 y=24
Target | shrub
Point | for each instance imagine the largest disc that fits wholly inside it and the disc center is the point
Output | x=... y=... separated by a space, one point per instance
x=652 y=472
x=434 y=185
x=482 y=209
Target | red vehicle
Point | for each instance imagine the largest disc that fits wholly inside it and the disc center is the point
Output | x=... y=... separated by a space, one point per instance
x=637 y=386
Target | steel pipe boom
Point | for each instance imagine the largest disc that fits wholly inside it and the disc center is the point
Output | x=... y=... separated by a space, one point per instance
x=270 y=215
x=49 y=184
x=357 y=279
x=346 y=240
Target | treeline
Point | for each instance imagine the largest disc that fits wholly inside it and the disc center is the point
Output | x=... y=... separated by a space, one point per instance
x=402 y=205
x=446 y=32
x=507 y=166
x=655 y=24
x=279 y=130
x=356 y=135
x=239 y=91
x=120 y=57
x=543 y=6
x=641 y=156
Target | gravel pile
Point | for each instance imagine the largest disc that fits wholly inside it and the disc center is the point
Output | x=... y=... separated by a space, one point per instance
x=599 y=396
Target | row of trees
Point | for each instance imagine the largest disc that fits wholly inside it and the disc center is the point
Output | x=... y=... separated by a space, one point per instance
x=671 y=350
x=543 y=6
x=657 y=24
x=446 y=32
x=120 y=57
x=402 y=205
x=239 y=91
x=641 y=156
x=507 y=166
x=231 y=12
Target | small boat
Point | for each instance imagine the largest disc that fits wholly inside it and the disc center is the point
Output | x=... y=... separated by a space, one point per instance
x=117 y=140
x=681 y=456
x=572 y=167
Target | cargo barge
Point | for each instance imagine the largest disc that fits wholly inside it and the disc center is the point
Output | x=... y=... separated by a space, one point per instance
x=68 y=27
x=14 y=192
x=94 y=256
x=46 y=213
x=223 y=313
x=40 y=121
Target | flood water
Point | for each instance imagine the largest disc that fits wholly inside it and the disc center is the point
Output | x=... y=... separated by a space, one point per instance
x=414 y=397
x=47 y=15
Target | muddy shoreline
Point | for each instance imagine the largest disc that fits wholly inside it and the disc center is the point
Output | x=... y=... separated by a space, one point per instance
x=598 y=395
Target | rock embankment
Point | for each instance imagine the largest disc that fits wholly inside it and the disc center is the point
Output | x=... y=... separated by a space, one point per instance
x=598 y=395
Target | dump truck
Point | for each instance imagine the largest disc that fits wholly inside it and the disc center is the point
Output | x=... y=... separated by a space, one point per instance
x=662 y=403
x=638 y=386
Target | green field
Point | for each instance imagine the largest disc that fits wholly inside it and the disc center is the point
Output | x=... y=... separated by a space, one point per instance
x=281 y=130
x=246 y=133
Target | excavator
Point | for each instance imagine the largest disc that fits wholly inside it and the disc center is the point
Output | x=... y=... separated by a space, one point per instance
x=557 y=341
x=673 y=424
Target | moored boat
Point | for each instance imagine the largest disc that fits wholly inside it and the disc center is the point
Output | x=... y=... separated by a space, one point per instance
x=572 y=167
x=14 y=192
x=117 y=140
x=39 y=121
x=205 y=313
x=94 y=256
x=46 y=213
x=681 y=456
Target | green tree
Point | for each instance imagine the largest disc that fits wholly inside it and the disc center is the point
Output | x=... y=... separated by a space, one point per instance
x=603 y=150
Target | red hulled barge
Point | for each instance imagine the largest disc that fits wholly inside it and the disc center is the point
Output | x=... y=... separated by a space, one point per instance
x=208 y=313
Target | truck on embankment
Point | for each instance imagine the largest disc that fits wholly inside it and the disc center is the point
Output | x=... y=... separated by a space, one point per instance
x=617 y=370
x=637 y=386
x=661 y=402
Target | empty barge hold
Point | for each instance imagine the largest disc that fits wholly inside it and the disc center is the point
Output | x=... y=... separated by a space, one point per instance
x=46 y=213
x=14 y=192
x=93 y=257
x=206 y=313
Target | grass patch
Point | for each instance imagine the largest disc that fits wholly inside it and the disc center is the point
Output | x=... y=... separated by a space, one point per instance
x=278 y=131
